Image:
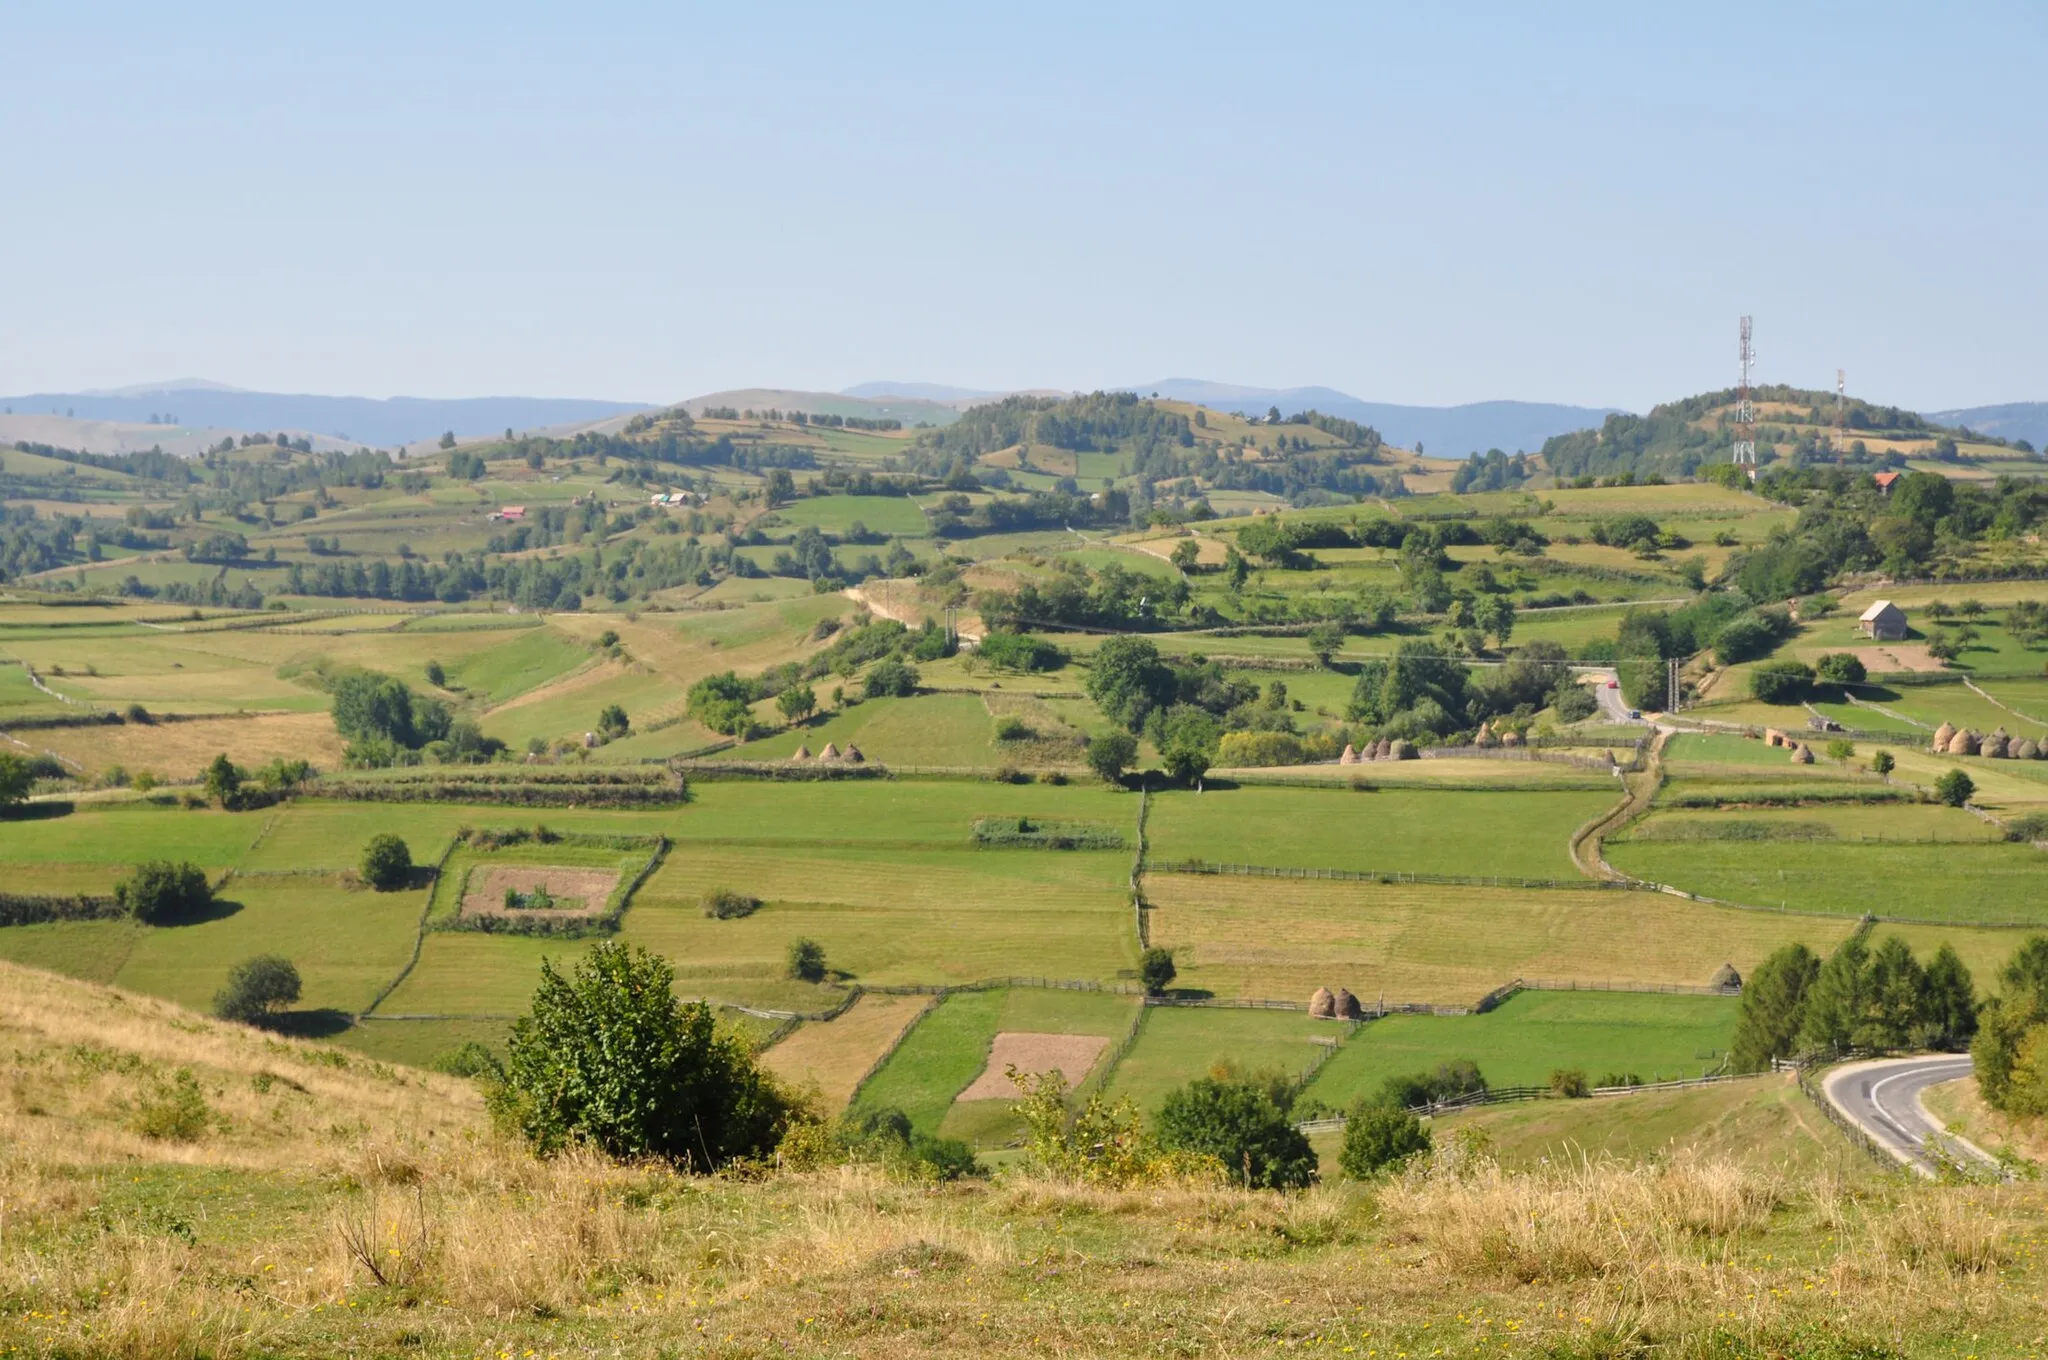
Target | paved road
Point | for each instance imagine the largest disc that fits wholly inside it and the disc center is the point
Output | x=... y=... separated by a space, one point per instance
x=1612 y=705
x=1883 y=1098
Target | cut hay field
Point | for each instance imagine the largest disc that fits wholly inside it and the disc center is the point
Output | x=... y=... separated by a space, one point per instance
x=1531 y=1034
x=124 y=834
x=830 y=1057
x=1176 y=1044
x=1524 y=834
x=521 y=662
x=887 y=916
x=1767 y=828
x=1451 y=774
x=896 y=515
x=1280 y=939
x=182 y=750
x=1937 y=883
x=930 y=729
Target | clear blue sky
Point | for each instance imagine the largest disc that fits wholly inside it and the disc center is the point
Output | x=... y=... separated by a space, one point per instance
x=650 y=201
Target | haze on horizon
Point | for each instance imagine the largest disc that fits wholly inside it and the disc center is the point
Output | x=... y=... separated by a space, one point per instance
x=640 y=204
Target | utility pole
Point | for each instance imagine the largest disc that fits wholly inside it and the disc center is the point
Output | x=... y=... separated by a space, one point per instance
x=1745 y=414
x=1841 y=415
x=1671 y=687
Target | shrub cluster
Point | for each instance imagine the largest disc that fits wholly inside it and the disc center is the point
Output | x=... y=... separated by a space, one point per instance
x=1032 y=834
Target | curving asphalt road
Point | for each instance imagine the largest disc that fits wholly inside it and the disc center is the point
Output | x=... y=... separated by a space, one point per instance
x=1882 y=1097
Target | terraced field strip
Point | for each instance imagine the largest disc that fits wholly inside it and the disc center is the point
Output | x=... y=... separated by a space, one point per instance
x=832 y=1056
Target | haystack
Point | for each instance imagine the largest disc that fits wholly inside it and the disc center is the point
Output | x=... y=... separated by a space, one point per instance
x=802 y=752
x=1726 y=978
x=2025 y=749
x=1964 y=743
x=853 y=754
x=1803 y=755
x=1322 y=1006
x=1511 y=738
x=1485 y=739
x=1943 y=735
x=831 y=752
x=1350 y=756
x=1347 y=1006
x=1995 y=744
x=1382 y=749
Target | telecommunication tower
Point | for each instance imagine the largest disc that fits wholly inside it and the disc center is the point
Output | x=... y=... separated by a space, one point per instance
x=1841 y=415
x=1745 y=414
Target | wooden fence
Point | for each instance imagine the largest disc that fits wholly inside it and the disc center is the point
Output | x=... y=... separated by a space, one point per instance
x=1194 y=866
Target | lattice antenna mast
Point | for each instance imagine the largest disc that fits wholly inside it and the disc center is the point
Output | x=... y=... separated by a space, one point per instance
x=1745 y=414
x=1841 y=414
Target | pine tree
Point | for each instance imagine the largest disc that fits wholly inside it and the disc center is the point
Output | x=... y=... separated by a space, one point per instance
x=1773 y=1008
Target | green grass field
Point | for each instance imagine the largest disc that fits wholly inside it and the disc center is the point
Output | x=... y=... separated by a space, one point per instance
x=1940 y=883
x=123 y=835
x=946 y=1051
x=931 y=729
x=1176 y=1044
x=898 y=515
x=1420 y=830
x=1530 y=1035
x=523 y=661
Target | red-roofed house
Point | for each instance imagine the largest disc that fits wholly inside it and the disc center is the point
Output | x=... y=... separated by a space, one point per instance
x=1885 y=481
x=509 y=512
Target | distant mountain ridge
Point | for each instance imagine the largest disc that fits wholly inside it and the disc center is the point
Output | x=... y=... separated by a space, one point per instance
x=379 y=423
x=2026 y=420
x=1448 y=431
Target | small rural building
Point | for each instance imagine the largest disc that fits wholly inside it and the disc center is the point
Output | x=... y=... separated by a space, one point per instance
x=1883 y=622
x=1886 y=481
x=509 y=512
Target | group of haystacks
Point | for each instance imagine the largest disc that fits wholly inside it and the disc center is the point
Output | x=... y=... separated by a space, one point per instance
x=1341 y=1005
x=850 y=756
x=1382 y=749
x=2000 y=745
x=1802 y=754
x=1488 y=738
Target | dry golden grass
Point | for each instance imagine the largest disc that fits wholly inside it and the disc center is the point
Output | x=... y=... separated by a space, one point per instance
x=373 y=1216
x=181 y=750
x=831 y=1057
x=1256 y=937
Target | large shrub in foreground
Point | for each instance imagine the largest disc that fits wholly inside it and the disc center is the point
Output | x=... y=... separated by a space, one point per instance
x=1378 y=1137
x=609 y=1056
x=159 y=892
x=1238 y=1124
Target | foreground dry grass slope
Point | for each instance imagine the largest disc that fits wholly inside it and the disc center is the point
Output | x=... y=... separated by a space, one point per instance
x=277 y=1203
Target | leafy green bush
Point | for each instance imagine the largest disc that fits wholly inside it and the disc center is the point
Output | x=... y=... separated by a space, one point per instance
x=160 y=892
x=1020 y=652
x=387 y=862
x=1010 y=727
x=1378 y=1138
x=1156 y=970
x=1110 y=753
x=1574 y=702
x=1241 y=1127
x=890 y=679
x=1570 y=1082
x=1955 y=788
x=609 y=1057
x=806 y=960
x=470 y=1060
x=173 y=1111
x=1781 y=682
x=1248 y=749
x=1840 y=668
x=257 y=989
x=723 y=904
x=17 y=777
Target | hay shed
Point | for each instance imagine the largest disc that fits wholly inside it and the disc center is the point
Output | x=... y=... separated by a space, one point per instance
x=1726 y=978
x=1322 y=1006
x=1943 y=735
x=1773 y=737
x=831 y=752
x=1347 y=1005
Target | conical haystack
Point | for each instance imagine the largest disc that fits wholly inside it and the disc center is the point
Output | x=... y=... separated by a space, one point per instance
x=1511 y=738
x=1350 y=756
x=1347 y=1005
x=2024 y=749
x=802 y=752
x=1803 y=755
x=831 y=752
x=1943 y=735
x=1726 y=978
x=1995 y=746
x=1382 y=749
x=1964 y=743
x=1485 y=739
x=853 y=754
x=1322 y=1006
